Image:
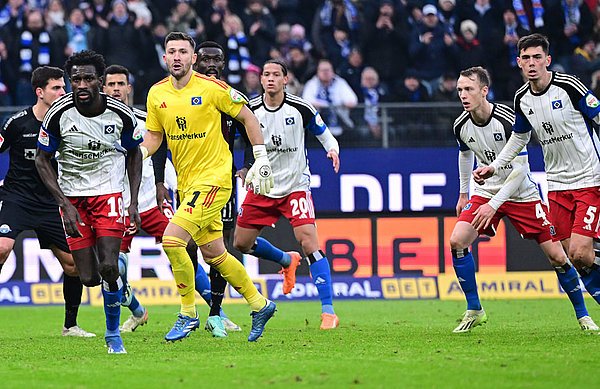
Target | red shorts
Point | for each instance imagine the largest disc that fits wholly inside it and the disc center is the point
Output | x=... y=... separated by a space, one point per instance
x=575 y=211
x=530 y=218
x=259 y=211
x=102 y=215
x=153 y=222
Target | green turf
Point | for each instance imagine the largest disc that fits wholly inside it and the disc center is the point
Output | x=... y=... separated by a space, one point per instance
x=526 y=343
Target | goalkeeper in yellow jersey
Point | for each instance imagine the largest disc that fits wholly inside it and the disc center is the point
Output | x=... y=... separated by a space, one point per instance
x=187 y=107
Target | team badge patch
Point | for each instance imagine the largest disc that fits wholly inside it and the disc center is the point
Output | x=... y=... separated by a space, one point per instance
x=467 y=207
x=319 y=120
x=197 y=100
x=109 y=128
x=552 y=231
x=1 y=140
x=44 y=139
x=591 y=101
x=498 y=137
x=289 y=121
x=235 y=96
x=137 y=133
x=5 y=229
x=557 y=104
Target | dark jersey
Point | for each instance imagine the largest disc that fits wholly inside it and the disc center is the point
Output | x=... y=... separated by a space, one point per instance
x=20 y=134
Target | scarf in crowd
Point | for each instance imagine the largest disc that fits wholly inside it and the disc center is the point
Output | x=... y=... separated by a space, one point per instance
x=371 y=99
x=512 y=47
x=239 y=57
x=78 y=36
x=538 y=12
x=349 y=12
x=572 y=16
x=26 y=50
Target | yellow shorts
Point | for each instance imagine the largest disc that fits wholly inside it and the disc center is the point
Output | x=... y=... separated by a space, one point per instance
x=199 y=212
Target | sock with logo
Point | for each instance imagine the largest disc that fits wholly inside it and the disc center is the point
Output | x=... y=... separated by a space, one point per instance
x=202 y=284
x=183 y=272
x=133 y=304
x=217 y=291
x=72 y=289
x=112 y=292
x=321 y=275
x=265 y=250
x=591 y=280
x=464 y=267
x=234 y=272
x=569 y=281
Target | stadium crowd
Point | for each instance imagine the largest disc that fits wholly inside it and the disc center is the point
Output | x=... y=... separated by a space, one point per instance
x=340 y=52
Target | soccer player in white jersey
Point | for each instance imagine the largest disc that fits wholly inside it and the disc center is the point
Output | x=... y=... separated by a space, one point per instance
x=560 y=110
x=482 y=130
x=85 y=128
x=284 y=118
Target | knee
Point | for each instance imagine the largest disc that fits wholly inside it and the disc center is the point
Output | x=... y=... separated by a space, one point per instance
x=241 y=246
x=109 y=272
x=90 y=280
x=580 y=256
x=5 y=249
x=70 y=269
x=458 y=242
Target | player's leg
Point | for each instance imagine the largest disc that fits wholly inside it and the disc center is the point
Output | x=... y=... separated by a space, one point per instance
x=139 y=314
x=306 y=235
x=6 y=246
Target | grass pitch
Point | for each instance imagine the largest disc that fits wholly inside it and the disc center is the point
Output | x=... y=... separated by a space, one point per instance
x=387 y=344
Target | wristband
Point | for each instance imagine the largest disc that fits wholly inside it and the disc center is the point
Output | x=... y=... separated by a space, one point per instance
x=144 y=151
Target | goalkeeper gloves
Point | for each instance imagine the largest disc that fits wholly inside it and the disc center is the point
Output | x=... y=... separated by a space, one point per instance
x=260 y=175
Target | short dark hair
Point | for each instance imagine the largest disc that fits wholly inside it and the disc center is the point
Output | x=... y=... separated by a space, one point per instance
x=86 y=57
x=43 y=74
x=533 y=40
x=210 y=44
x=482 y=75
x=116 y=69
x=180 y=36
x=284 y=68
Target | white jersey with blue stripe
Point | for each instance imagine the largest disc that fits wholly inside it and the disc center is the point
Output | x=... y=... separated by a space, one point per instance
x=487 y=141
x=562 y=117
x=283 y=132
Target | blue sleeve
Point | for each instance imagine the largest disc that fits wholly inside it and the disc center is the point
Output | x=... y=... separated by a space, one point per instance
x=131 y=136
x=589 y=105
x=316 y=125
x=47 y=141
x=462 y=146
x=521 y=125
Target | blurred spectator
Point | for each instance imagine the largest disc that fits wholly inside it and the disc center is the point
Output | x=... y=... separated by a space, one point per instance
x=260 y=30
x=488 y=18
x=431 y=50
x=338 y=52
x=568 y=24
x=334 y=15
x=412 y=89
x=235 y=43
x=298 y=38
x=470 y=51
x=388 y=31
x=448 y=15
x=183 y=18
x=332 y=96
x=282 y=41
x=446 y=91
x=251 y=84
x=504 y=68
x=293 y=86
x=98 y=12
x=301 y=64
x=585 y=61
x=530 y=14
x=6 y=73
x=55 y=24
x=371 y=94
x=13 y=12
x=214 y=19
x=352 y=69
x=78 y=32
x=286 y=11
x=55 y=14
x=141 y=11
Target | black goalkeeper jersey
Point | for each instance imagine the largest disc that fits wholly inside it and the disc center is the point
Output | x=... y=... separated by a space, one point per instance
x=20 y=134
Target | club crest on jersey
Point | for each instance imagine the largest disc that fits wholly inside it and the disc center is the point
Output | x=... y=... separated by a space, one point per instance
x=276 y=139
x=44 y=139
x=557 y=104
x=467 y=207
x=591 y=101
x=109 y=128
x=235 y=96
x=290 y=121
x=181 y=122
x=552 y=231
x=197 y=100
x=5 y=229
x=498 y=137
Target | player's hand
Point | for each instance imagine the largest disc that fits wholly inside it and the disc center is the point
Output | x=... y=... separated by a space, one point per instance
x=483 y=217
x=260 y=174
x=333 y=155
x=463 y=200
x=71 y=220
x=134 y=220
x=483 y=173
x=242 y=173
x=162 y=195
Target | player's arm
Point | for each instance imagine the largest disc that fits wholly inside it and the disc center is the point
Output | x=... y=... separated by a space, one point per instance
x=259 y=175
x=484 y=214
x=71 y=219
x=316 y=125
x=151 y=143
x=7 y=134
x=466 y=158
x=154 y=136
x=248 y=156
x=134 y=173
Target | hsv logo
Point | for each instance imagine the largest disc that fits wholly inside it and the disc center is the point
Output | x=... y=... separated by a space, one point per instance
x=289 y=121
x=557 y=104
x=109 y=128
x=498 y=137
x=196 y=100
x=163 y=105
